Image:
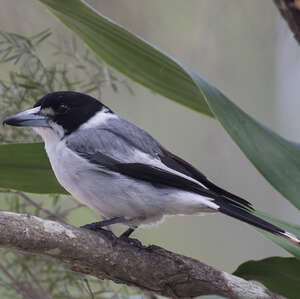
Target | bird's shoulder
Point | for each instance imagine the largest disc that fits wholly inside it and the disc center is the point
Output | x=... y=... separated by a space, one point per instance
x=113 y=136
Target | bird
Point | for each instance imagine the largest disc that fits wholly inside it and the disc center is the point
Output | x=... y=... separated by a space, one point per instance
x=121 y=172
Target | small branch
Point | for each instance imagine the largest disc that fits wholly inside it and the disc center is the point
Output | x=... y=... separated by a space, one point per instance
x=152 y=268
x=25 y=291
x=290 y=11
x=35 y=204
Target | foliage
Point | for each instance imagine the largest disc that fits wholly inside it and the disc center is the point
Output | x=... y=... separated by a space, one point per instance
x=280 y=275
x=75 y=68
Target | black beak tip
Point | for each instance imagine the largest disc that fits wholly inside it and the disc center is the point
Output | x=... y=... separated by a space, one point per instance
x=6 y=121
x=10 y=121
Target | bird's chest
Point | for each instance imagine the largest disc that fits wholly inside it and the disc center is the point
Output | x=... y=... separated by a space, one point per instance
x=82 y=180
x=65 y=164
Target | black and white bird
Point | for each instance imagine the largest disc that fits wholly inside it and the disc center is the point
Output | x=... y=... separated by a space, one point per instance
x=120 y=171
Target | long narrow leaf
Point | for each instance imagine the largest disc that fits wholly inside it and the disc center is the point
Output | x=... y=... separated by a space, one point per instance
x=26 y=167
x=129 y=54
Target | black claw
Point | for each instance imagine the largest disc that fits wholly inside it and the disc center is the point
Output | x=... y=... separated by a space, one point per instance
x=92 y=226
x=114 y=240
x=131 y=241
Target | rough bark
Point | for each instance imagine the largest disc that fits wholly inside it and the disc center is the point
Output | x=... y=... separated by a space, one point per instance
x=290 y=11
x=150 y=268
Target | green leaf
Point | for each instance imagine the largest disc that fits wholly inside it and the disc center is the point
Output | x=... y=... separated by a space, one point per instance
x=26 y=167
x=280 y=275
x=276 y=158
x=129 y=54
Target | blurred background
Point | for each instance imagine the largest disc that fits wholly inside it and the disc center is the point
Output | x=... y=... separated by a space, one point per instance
x=246 y=50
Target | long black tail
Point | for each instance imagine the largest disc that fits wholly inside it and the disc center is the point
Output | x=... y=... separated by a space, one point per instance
x=246 y=215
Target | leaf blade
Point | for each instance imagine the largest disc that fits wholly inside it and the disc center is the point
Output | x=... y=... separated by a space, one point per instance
x=129 y=54
x=280 y=275
x=26 y=167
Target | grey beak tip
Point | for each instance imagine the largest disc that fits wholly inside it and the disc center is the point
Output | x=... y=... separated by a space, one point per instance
x=28 y=118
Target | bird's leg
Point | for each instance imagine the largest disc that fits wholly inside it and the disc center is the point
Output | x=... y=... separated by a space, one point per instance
x=125 y=236
x=95 y=226
x=98 y=226
x=127 y=233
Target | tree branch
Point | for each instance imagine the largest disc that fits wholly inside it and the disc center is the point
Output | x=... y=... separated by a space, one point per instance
x=290 y=11
x=150 y=268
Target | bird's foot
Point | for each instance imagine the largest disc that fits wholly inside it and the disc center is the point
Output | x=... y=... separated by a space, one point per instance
x=93 y=226
x=131 y=241
x=97 y=227
x=125 y=237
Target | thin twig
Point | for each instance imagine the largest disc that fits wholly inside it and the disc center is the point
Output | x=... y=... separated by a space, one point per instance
x=25 y=291
x=35 y=204
x=89 y=288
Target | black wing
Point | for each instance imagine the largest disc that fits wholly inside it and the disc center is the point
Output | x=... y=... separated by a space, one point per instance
x=163 y=178
x=184 y=167
x=151 y=174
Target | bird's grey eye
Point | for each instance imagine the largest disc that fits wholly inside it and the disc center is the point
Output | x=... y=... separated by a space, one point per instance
x=62 y=109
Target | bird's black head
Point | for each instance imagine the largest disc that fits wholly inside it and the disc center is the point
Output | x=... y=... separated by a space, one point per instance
x=69 y=109
x=63 y=111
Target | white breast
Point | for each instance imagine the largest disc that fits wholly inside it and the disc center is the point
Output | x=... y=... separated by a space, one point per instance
x=77 y=175
x=65 y=164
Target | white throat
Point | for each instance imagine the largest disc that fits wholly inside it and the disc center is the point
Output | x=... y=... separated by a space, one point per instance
x=51 y=135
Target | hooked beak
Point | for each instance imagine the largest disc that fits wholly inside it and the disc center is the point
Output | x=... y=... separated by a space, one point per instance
x=28 y=118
